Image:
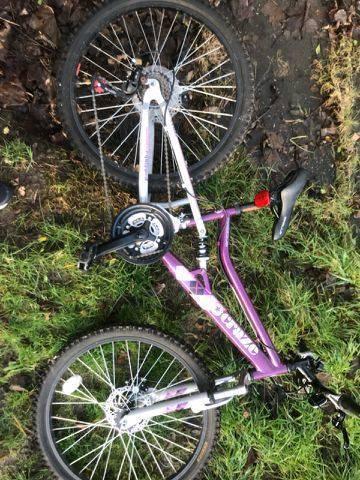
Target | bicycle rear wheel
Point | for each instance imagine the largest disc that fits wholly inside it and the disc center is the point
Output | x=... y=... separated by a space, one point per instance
x=203 y=71
x=89 y=386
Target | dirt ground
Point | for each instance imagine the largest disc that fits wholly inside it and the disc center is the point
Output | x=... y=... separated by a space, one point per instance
x=283 y=37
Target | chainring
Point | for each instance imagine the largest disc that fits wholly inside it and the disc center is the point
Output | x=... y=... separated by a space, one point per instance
x=159 y=224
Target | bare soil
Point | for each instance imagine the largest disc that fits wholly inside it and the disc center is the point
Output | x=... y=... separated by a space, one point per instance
x=283 y=37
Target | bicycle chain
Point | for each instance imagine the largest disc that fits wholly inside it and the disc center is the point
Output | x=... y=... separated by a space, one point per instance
x=102 y=162
x=167 y=165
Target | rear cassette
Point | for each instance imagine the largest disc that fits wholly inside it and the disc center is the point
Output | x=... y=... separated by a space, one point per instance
x=156 y=221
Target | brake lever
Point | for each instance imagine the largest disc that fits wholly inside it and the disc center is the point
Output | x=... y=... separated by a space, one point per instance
x=338 y=422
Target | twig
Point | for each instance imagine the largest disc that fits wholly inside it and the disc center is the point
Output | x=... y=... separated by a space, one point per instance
x=305 y=16
x=9 y=21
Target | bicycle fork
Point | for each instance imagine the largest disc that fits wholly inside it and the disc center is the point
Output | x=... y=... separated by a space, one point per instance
x=183 y=397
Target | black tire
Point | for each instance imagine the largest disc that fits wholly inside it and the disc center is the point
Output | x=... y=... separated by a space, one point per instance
x=44 y=424
x=238 y=123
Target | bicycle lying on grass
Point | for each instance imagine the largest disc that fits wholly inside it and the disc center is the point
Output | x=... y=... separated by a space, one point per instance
x=131 y=402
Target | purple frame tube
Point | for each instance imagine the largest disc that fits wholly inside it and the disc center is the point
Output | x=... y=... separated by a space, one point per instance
x=196 y=284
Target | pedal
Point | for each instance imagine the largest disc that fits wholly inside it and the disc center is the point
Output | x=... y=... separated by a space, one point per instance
x=87 y=257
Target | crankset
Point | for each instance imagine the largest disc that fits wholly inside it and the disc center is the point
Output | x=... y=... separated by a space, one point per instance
x=141 y=235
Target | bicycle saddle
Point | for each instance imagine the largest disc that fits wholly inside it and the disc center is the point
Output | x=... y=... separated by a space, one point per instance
x=283 y=200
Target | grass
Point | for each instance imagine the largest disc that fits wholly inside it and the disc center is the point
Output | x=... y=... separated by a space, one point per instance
x=304 y=287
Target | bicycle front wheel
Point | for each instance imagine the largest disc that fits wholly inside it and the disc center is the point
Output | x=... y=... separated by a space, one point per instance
x=203 y=72
x=99 y=377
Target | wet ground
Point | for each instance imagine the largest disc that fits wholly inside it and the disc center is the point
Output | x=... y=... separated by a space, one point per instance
x=289 y=128
x=283 y=37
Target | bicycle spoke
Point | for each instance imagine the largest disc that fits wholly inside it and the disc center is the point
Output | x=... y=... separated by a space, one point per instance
x=95 y=373
x=141 y=460
x=154 y=33
x=197 y=58
x=107 y=459
x=169 y=441
x=103 y=373
x=205 y=112
x=189 y=49
x=183 y=42
x=167 y=454
x=93 y=450
x=152 y=454
x=120 y=47
x=201 y=123
x=163 y=375
x=167 y=36
x=146 y=40
x=171 y=384
x=196 y=49
x=117 y=127
x=122 y=143
x=128 y=36
x=212 y=80
x=187 y=146
x=181 y=420
x=79 y=431
x=102 y=448
x=197 y=133
x=152 y=422
x=80 y=422
x=212 y=70
x=112 y=117
x=104 y=69
x=128 y=456
x=212 y=95
x=110 y=56
x=123 y=460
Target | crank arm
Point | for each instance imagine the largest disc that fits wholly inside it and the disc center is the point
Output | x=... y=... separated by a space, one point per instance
x=95 y=251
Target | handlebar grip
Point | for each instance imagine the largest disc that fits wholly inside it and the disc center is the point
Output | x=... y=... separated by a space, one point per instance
x=288 y=194
x=349 y=405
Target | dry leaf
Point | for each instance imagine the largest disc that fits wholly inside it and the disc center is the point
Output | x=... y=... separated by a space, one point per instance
x=274 y=12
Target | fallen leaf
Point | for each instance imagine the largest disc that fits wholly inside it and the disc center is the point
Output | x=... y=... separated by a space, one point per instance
x=274 y=12
x=43 y=21
x=341 y=17
x=17 y=388
x=12 y=94
x=328 y=131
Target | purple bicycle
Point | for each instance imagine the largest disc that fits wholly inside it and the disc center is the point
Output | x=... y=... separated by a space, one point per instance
x=133 y=403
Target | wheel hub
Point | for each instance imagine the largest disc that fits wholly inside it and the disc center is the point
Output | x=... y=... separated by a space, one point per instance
x=169 y=86
x=116 y=407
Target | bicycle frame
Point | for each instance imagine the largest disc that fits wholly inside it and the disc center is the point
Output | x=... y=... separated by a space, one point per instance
x=197 y=285
x=266 y=362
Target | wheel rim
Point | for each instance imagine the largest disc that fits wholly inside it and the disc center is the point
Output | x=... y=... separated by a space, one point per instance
x=85 y=401
x=203 y=80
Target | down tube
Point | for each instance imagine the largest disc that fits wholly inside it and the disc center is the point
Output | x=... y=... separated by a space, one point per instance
x=204 y=298
x=240 y=292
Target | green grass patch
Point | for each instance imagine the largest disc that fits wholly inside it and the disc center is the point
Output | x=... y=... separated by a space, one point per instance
x=305 y=288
